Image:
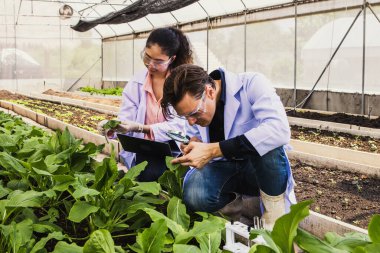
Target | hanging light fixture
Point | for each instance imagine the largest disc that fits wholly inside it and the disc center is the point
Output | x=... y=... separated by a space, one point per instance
x=65 y=11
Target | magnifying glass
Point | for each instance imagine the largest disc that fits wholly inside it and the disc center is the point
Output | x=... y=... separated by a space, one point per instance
x=178 y=136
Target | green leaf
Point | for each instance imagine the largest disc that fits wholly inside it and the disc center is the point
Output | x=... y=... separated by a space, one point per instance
x=64 y=247
x=374 y=228
x=152 y=240
x=135 y=171
x=100 y=242
x=267 y=237
x=207 y=226
x=10 y=163
x=111 y=124
x=19 y=234
x=172 y=225
x=149 y=187
x=42 y=172
x=81 y=210
x=7 y=141
x=258 y=248
x=372 y=248
x=105 y=174
x=3 y=191
x=169 y=182
x=210 y=242
x=46 y=227
x=62 y=182
x=349 y=242
x=285 y=228
x=312 y=244
x=177 y=212
x=82 y=191
x=25 y=199
x=184 y=248
x=18 y=184
x=42 y=241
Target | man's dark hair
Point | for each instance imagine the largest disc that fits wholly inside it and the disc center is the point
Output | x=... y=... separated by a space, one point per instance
x=184 y=79
x=172 y=41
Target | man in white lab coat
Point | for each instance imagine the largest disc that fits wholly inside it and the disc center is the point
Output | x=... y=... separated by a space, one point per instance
x=239 y=128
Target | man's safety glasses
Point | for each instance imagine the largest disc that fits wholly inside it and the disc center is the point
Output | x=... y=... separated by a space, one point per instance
x=197 y=112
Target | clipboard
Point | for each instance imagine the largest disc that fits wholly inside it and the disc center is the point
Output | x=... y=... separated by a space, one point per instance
x=145 y=147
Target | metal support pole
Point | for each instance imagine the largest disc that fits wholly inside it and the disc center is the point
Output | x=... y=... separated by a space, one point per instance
x=133 y=53
x=363 y=64
x=207 y=32
x=374 y=13
x=304 y=101
x=295 y=55
x=207 y=39
x=245 y=35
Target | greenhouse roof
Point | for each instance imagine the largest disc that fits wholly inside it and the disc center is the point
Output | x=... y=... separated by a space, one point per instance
x=46 y=12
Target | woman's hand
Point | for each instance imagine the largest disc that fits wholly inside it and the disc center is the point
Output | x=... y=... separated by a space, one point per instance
x=129 y=126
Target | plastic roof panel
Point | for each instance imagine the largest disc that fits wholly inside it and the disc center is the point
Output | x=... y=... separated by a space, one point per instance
x=221 y=7
x=45 y=12
x=255 y=4
x=190 y=13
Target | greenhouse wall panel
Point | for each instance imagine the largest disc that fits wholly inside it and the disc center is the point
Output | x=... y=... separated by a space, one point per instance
x=226 y=48
x=272 y=53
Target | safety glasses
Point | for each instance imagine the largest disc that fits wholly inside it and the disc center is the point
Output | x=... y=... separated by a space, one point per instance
x=147 y=60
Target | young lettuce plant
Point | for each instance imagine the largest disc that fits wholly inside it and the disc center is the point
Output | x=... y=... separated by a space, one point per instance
x=280 y=239
x=350 y=242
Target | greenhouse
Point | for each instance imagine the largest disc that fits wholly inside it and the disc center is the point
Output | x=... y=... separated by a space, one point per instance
x=189 y=126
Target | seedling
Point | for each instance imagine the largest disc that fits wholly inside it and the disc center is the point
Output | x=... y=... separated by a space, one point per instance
x=109 y=128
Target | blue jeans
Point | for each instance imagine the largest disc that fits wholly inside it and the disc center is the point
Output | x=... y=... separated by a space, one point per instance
x=212 y=187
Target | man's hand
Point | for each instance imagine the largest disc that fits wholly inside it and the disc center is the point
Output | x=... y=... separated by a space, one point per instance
x=198 y=154
x=183 y=146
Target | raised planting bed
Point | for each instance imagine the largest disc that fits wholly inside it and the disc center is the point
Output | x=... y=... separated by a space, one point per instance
x=100 y=99
x=147 y=211
x=350 y=197
x=83 y=118
x=357 y=120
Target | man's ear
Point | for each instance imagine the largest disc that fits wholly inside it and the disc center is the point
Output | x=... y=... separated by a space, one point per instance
x=210 y=92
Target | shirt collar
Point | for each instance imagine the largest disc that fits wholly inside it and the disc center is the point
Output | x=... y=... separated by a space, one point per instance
x=218 y=74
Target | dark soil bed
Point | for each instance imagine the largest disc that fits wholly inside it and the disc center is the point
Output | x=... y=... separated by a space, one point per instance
x=342 y=140
x=338 y=118
x=351 y=197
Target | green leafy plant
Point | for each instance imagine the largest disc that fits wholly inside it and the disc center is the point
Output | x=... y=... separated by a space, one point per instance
x=286 y=232
x=108 y=91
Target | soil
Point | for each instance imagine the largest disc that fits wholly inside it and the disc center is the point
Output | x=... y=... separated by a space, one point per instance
x=351 y=197
x=105 y=101
x=338 y=118
x=86 y=119
x=342 y=140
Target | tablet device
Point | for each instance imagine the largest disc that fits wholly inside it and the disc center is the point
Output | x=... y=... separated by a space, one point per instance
x=143 y=146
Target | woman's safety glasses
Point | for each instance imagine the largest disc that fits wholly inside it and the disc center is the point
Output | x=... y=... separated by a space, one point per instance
x=148 y=61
